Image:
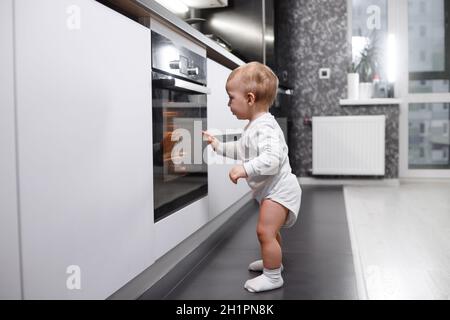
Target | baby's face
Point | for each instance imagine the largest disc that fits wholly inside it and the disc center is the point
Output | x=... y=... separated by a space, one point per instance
x=237 y=102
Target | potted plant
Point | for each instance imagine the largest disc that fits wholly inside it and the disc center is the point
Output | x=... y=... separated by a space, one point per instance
x=367 y=68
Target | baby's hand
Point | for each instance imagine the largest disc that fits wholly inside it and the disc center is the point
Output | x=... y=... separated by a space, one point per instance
x=237 y=172
x=213 y=141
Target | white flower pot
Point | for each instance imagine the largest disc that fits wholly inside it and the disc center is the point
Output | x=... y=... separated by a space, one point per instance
x=352 y=86
x=365 y=90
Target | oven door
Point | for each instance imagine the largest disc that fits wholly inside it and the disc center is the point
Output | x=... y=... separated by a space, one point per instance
x=180 y=171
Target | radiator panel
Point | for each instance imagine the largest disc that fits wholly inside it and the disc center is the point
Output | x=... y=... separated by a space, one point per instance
x=349 y=145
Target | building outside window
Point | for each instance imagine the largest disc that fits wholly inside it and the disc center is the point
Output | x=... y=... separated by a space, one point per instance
x=428 y=46
x=429 y=72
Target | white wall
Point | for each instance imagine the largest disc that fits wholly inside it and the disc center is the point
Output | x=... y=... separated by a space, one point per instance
x=9 y=232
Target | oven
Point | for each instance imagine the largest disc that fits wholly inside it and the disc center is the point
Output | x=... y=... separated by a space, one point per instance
x=179 y=95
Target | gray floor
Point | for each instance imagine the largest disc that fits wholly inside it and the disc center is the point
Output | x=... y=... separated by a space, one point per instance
x=317 y=257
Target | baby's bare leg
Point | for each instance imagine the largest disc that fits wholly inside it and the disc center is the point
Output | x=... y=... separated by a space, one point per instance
x=272 y=216
x=279 y=238
x=257 y=265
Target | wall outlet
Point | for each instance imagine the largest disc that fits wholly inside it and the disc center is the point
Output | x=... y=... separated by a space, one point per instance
x=324 y=73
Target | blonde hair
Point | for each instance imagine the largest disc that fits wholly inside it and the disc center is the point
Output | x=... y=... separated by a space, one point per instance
x=258 y=79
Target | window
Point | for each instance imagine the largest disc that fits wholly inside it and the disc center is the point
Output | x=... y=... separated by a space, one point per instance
x=429 y=140
x=423 y=7
x=422 y=55
x=429 y=46
x=423 y=31
x=422 y=128
x=369 y=29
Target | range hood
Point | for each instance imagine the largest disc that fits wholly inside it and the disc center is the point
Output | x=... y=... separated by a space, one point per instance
x=204 y=4
x=183 y=6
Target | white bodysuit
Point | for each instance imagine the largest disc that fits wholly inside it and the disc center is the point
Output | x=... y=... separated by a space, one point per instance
x=264 y=153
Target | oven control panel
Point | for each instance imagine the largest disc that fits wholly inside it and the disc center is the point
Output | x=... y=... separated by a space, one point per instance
x=177 y=60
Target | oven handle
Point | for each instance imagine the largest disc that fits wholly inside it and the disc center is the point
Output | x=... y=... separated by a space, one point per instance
x=181 y=85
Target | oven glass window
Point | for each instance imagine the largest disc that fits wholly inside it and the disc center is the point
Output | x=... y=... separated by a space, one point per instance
x=179 y=166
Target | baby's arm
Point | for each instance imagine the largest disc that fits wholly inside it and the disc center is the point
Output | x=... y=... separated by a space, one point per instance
x=268 y=152
x=228 y=149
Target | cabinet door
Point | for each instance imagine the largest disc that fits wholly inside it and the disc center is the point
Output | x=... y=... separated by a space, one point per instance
x=222 y=192
x=85 y=157
x=9 y=232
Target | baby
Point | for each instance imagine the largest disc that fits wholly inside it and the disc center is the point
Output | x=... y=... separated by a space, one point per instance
x=252 y=90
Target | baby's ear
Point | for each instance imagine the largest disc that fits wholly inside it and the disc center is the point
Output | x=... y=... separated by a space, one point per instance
x=251 y=98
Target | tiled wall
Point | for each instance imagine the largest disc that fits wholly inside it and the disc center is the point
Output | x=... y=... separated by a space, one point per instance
x=312 y=34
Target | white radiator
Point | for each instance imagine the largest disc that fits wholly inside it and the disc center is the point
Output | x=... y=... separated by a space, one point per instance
x=348 y=145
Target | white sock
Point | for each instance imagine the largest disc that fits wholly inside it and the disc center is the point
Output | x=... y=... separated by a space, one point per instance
x=258 y=266
x=269 y=280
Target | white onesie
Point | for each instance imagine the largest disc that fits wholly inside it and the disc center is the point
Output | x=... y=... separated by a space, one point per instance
x=264 y=153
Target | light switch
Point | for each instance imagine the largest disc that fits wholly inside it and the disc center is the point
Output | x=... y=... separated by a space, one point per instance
x=324 y=73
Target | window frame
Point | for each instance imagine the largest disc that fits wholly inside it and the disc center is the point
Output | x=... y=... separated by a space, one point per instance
x=438 y=75
x=398 y=26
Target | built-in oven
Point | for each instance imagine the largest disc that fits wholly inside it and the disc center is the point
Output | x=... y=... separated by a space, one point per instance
x=179 y=95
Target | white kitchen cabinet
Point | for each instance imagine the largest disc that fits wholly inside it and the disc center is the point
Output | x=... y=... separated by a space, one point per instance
x=85 y=156
x=9 y=230
x=222 y=193
x=174 y=229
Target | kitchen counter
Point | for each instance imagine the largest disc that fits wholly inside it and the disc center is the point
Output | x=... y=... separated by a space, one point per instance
x=150 y=8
